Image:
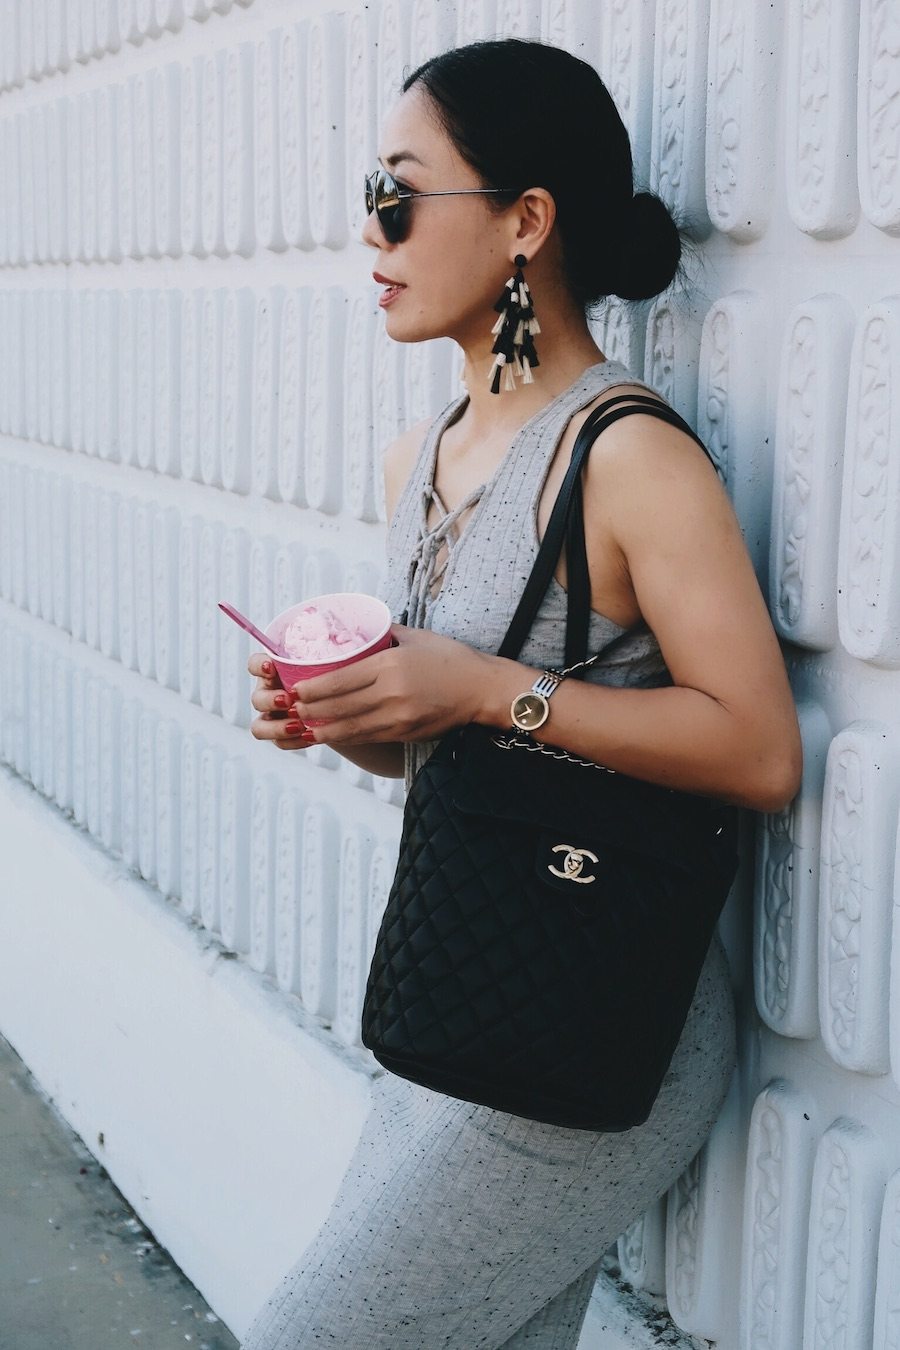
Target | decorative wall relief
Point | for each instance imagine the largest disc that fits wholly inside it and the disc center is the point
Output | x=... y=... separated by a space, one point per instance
x=237 y=143
x=475 y=19
x=236 y=391
x=358 y=473
x=189 y=159
x=233 y=645
x=326 y=131
x=288 y=881
x=848 y=1179
x=143 y=361
x=107 y=377
x=209 y=384
x=57 y=179
x=780 y=1151
x=320 y=857
x=678 y=134
x=129 y=725
x=868 y=565
x=785 y=941
x=519 y=18
x=90 y=564
x=731 y=416
x=146 y=812
x=292 y=115
x=166 y=530
x=360 y=92
x=188 y=659
x=210 y=109
x=189 y=869
x=266 y=193
x=432 y=30
x=41 y=187
x=626 y=66
x=110 y=705
x=698 y=1232
x=189 y=385
x=820 y=146
x=325 y=386
x=887 y=1291
x=143 y=167
x=739 y=131
x=878 y=116
x=88 y=104
x=263 y=808
x=165 y=105
x=807 y=471
x=894 y=1031
x=143 y=589
x=209 y=836
x=166 y=371
x=352 y=927
x=209 y=616
x=265 y=392
x=168 y=806
x=393 y=53
x=234 y=864
x=642 y=1250
x=127 y=327
x=858 y=820
x=670 y=356
x=292 y=394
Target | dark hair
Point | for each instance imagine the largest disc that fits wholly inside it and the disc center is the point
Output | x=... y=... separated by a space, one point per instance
x=526 y=114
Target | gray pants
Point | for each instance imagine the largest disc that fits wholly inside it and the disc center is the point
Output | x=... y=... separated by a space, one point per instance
x=457 y=1227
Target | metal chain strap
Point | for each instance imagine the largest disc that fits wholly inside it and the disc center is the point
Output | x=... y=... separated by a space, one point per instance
x=513 y=741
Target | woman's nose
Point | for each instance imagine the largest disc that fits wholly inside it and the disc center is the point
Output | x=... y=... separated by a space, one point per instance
x=372 y=233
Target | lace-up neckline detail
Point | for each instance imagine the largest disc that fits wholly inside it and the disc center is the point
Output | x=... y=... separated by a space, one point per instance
x=424 y=570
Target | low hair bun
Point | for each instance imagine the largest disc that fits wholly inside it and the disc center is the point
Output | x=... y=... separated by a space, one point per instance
x=649 y=250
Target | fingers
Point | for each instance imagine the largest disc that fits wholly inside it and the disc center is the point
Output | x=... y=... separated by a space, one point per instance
x=267 y=699
x=263 y=668
x=286 y=733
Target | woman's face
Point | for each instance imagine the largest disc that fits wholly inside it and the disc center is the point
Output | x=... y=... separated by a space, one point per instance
x=457 y=253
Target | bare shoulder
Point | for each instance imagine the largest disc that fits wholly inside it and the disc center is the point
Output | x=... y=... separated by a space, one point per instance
x=642 y=453
x=399 y=458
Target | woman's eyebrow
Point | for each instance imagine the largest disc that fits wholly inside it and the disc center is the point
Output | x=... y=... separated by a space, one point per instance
x=393 y=160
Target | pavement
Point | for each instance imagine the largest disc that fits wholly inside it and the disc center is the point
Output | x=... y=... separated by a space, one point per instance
x=78 y=1268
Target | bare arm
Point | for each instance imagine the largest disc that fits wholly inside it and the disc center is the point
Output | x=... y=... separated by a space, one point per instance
x=728 y=725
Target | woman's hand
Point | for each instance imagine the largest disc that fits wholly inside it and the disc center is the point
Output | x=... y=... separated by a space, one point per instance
x=276 y=721
x=413 y=692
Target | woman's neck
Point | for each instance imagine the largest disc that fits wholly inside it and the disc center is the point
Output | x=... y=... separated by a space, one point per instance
x=565 y=348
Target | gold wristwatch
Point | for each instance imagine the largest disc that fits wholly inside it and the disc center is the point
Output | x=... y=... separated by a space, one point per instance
x=531 y=709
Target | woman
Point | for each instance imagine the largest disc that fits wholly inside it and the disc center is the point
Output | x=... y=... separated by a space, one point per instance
x=457 y=1225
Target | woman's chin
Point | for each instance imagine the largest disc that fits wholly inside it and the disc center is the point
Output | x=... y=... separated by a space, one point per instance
x=410 y=327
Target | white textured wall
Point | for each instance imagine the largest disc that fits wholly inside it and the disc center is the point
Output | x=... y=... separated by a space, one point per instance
x=194 y=393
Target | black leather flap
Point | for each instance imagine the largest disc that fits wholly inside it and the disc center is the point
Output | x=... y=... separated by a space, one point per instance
x=604 y=810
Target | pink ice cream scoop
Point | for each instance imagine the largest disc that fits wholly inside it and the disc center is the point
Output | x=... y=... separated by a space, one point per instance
x=318 y=634
x=327 y=632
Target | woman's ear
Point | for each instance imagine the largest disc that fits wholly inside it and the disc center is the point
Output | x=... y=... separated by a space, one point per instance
x=535 y=215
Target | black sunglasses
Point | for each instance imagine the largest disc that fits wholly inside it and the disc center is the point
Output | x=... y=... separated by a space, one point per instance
x=385 y=197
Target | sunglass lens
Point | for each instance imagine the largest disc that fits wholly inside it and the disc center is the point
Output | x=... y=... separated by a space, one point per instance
x=383 y=197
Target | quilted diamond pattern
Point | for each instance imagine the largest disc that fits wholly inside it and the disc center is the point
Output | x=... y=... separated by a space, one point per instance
x=496 y=981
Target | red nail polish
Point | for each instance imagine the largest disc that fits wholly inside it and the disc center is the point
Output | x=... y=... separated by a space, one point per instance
x=267 y=667
x=294 y=728
x=281 y=700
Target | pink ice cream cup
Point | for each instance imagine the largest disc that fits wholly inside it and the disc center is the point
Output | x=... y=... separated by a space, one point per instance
x=353 y=608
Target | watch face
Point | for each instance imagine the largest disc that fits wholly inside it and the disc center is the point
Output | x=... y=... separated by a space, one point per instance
x=530 y=710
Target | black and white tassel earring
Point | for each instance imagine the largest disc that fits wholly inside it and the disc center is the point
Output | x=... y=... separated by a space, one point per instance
x=515 y=331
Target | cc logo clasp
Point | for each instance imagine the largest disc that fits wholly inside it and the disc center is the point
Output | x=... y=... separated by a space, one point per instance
x=573 y=863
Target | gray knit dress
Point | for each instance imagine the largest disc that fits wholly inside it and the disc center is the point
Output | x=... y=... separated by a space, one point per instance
x=457 y=1227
